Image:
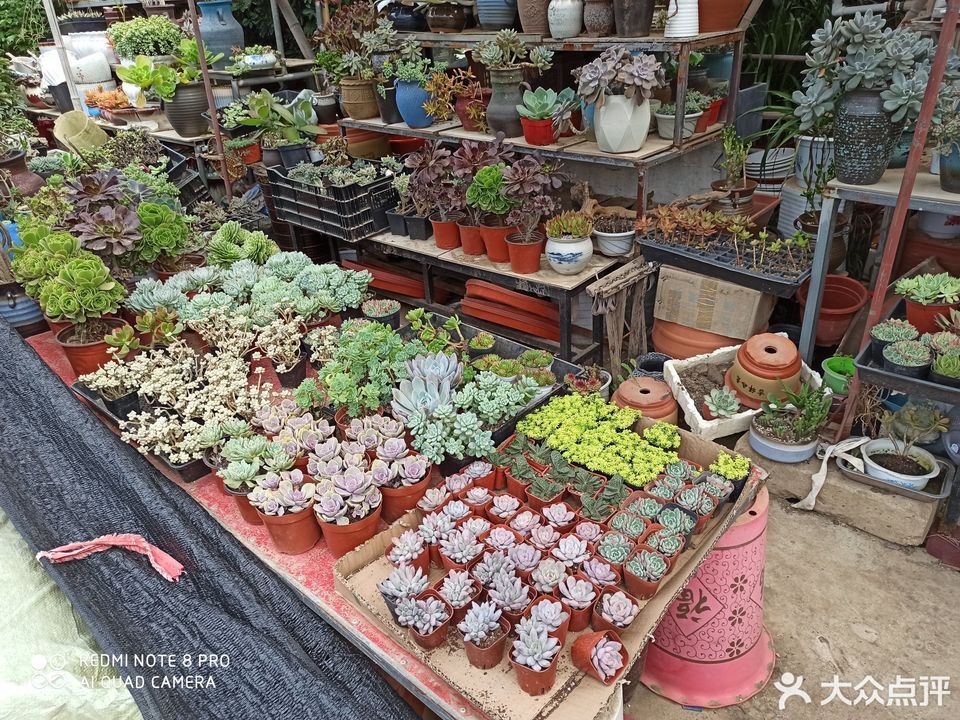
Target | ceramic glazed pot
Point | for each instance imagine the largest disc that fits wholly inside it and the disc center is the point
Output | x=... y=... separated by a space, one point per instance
x=387 y=105
x=446 y=17
x=914 y=482
x=358 y=98
x=219 y=29
x=184 y=109
x=667 y=123
x=941 y=226
x=683 y=18
x=621 y=125
x=21 y=311
x=569 y=255
x=779 y=451
x=950 y=170
x=598 y=18
x=502 y=115
x=864 y=136
x=410 y=100
x=406 y=18
x=533 y=16
x=650 y=396
x=496 y=14
x=765 y=364
x=737 y=197
x=615 y=244
x=681 y=342
x=565 y=18
x=842 y=299
x=465 y=102
x=23 y=179
x=633 y=17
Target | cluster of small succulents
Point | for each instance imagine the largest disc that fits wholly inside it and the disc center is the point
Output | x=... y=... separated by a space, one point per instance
x=405 y=581
x=283 y=493
x=424 y=616
x=666 y=541
x=630 y=525
x=457 y=588
x=480 y=622
x=491 y=566
x=460 y=547
x=893 y=330
x=676 y=520
x=648 y=566
x=696 y=499
x=614 y=547
x=406 y=548
x=509 y=593
x=436 y=527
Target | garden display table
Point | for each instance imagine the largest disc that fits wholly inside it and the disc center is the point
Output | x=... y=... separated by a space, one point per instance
x=441 y=687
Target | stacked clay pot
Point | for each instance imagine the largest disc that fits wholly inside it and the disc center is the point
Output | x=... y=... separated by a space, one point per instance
x=650 y=396
x=765 y=365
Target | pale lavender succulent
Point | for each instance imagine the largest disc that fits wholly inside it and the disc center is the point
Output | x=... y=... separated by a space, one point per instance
x=588 y=531
x=606 y=658
x=460 y=546
x=295 y=477
x=477 y=495
x=383 y=474
x=578 y=594
x=404 y=582
x=411 y=469
x=544 y=537
x=599 y=572
x=369 y=438
x=325 y=468
x=386 y=426
x=618 y=609
x=457 y=509
x=558 y=514
x=323 y=452
x=476 y=525
x=571 y=550
x=353 y=428
x=392 y=449
x=424 y=616
x=357 y=460
x=330 y=506
x=501 y=538
x=525 y=521
x=352 y=447
x=535 y=648
x=490 y=565
x=477 y=469
x=457 y=483
x=504 y=506
x=480 y=622
x=360 y=495
x=550 y=613
x=294 y=498
x=547 y=575
x=435 y=527
x=457 y=588
x=510 y=594
x=269 y=481
x=524 y=557
x=407 y=547
x=433 y=498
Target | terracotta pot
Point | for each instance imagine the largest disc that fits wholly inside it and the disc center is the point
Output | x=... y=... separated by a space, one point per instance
x=488 y=481
x=56 y=327
x=721 y=14
x=422 y=560
x=358 y=98
x=561 y=632
x=342 y=420
x=922 y=317
x=525 y=257
x=538 y=132
x=919 y=245
x=582 y=652
x=23 y=179
x=842 y=299
x=515 y=487
x=247 y=511
x=535 y=682
x=250 y=154
x=446 y=233
x=434 y=639
x=341 y=539
x=681 y=342
x=433 y=552
x=470 y=240
x=334 y=320
x=537 y=504
x=764 y=365
x=495 y=241
x=292 y=534
x=650 y=396
x=87 y=357
x=397 y=501
x=463 y=105
x=490 y=656
x=597 y=622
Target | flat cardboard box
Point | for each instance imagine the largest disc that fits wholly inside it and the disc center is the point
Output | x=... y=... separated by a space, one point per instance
x=705 y=303
x=495 y=692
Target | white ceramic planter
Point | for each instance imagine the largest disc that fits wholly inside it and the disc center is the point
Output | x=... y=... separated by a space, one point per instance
x=91 y=69
x=621 y=125
x=683 y=18
x=939 y=225
x=914 y=482
x=812 y=152
x=568 y=255
x=781 y=451
x=565 y=18
x=665 y=125
x=83 y=44
x=615 y=244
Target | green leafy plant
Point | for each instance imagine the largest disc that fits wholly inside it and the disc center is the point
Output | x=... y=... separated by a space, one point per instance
x=487 y=191
x=81 y=292
x=164 y=232
x=733 y=467
x=929 y=289
x=908 y=353
x=948 y=364
x=569 y=224
x=797 y=417
x=894 y=329
x=506 y=51
x=154 y=35
x=538 y=104
x=291 y=122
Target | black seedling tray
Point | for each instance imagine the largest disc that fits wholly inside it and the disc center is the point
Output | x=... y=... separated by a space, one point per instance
x=720 y=265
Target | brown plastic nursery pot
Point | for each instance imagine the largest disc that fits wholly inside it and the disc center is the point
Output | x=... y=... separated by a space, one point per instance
x=341 y=539
x=561 y=632
x=596 y=619
x=436 y=638
x=535 y=682
x=294 y=533
x=247 y=511
x=487 y=480
x=397 y=501
x=525 y=256
x=88 y=357
x=488 y=657
x=514 y=617
x=449 y=564
x=924 y=317
x=56 y=327
x=642 y=589
x=446 y=233
x=537 y=504
x=579 y=619
x=461 y=612
x=422 y=560
x=495 y=241
x=582 y=652
x=470 y=239
x=842 y=299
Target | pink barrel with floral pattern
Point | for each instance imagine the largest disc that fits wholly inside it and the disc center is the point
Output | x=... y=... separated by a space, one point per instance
x=711 y=649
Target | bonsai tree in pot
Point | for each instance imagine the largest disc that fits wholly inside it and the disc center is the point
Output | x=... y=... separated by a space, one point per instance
x=536 y=115
x=738 y=187
x=505 y=58
x=531 y=186
x=895 y=457
x=569 y=246
x=467 y=160
x=786 y=430
x=619 y=85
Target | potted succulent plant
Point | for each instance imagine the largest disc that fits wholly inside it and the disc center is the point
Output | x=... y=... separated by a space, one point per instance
x=403 y=582
x=720 y=403
x=615 y=610
x=411 y=72
x=536 y=116
x=786 y=430
x=644 y=571
x=694 y=105
x=946 y=368
x=619 y=84
x=530 y=186
x=155 y=37
x=358 y=96
x=397 y=218
x=428 y=618
x=77 y=21
x=737 y=185
x=569 y=245
x=485 y=634
x=947 y=136
x=929 y=297
x=481 y=344
x=348 y=503
x=895 y=457
x=182 y=92
x=488 y=194
x=601 y=655
x=247 y=148
x=890 y=331
x=382 y=310
x=284 y=503
x=468 y=159
x=470 y=100
x=436 y=196
x=910 y=358
x=615 y=234
x=534 y=658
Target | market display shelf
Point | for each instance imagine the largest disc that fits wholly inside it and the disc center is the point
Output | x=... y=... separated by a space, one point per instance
x=935 y=490
x=719 y=265
x=583 y=43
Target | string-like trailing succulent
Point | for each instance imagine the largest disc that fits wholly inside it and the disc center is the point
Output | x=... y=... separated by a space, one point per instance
x=525 y=557
x=618 y=609
x=578 y=594
x=571 y=551
x=606 y=657
x=547 y=575
x=404 y=582
x=599 y=572
x=457 y=588
x=647 y=565
x=614 y=547
x=480 y=622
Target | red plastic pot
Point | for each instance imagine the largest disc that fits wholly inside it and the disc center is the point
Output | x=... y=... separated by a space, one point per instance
x=250 y=154
x=525 y=256
x=579 y=619
x=582 y=651
x=495 y=242
x=924 y=317
x=642 y=589
x=56 y=327
x=597 y=621
x=341 y=539
x=461 y=612
x=538 y=132
x=561 y=632
x=535 y=682
x=247 y=511
x=397 y=501
x=433 y=552
x=292 y=534
x=446 y=233
x=88 y=357
x=487 y=480
x=842 y=299
x=401 y=145
x=436 y=638
x=515 y=487
x=422 y=561
x=470 y=239
x=490 y=656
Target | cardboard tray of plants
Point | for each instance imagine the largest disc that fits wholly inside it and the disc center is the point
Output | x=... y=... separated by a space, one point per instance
x=496 y=692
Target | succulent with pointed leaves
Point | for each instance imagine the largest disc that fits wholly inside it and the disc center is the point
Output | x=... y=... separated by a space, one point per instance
x=405 y=581
x=476 y=525
x=618 y=609
x=457 y=509
x=504 y=506
x=407 y=547
x=558 y=514
x=490 y=566
x=501 y=538
x=436 y=527
x=599 y=572
x=549 y=613
x=525 y=557
x=480 y=622
x=510 y=594
x=544 y=537
x=607 y=658
x=578 y=594
x=460 y=547
x=666 y=541
x=424 y=616
x=443 y=367
x=457 y=588
x=535 y=648
x=647 y=565
x=547 y=575
x=478 y=496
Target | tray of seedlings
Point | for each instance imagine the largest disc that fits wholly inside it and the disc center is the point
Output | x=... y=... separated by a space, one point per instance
x=726 y=246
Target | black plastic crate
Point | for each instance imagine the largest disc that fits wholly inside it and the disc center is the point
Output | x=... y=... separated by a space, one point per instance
x=176 y=165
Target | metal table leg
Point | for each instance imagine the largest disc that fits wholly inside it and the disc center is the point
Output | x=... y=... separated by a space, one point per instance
x=566 y=328
x=598 y=339
x=818 y=276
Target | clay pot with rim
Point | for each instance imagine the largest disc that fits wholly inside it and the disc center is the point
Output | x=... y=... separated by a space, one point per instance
x=247 y=511
x=465 y=102
x=533 y=16
x=495 y=239
x=809 y=223
x=924 y=317
x=842 y=299
x=22 y=178
x=525 y=256
x=597 y=621
x=582 y=654
x=358 y=98
x=446 y=233
x=292 y=533
x=487 y=658
x=89 y=356
x=650 y=396
x=763 y=366
x=434 y=639
x=681 y=342
x=341 y=539
x=397 y=501
x=471 y=240
x=55 y=326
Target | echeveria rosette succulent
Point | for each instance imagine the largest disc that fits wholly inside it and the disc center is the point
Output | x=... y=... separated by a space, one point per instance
x=357 y=490
x=618 y=609
x=547 y=575
x=501 y=538
x=648 y=565
x=509 y=593
x=81 y=291
x=628 y=524
x=606 y=658
x=110 y=231
x=461 y=547
x=571 y=551
x=676 y=520
x=457 y=483
x=457 y=509
x=457 y=588
x=544 y=537
x=433 y=499
x=588 y=530
x=576 y=593
x=618 y=72
x=491 y=565
x=525 y=557
x=286 y=499
x=504 y=506
x=550 y=613
x=525 y=521
x=666 y=541
x=436 y=527
x=405 y=581
x=476 y=525
x=411 y=469
x=406 y=548
x=478 y=496
x=535 y=648
x=645 y=508
x=558 y=514
x=599 y=572
x=614 y=547
x=480 y=622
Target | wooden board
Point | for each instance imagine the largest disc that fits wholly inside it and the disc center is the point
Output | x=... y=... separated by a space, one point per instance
x=545 y=276
x=560 y=144
x=425 y=247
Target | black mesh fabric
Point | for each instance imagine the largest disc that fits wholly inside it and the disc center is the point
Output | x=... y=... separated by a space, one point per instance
x=65 y=477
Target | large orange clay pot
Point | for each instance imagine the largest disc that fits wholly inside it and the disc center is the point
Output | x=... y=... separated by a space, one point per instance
x=842 y=299
x=765 y=365
x=650 y=396
x=680 y=342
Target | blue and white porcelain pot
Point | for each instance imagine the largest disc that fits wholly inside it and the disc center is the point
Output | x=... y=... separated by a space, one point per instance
x=569 y=255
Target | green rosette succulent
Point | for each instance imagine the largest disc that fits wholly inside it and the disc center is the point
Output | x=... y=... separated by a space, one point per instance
x=82 y=290
x=164 y=232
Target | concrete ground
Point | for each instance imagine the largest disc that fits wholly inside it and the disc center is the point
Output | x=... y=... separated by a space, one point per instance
x=841 y=602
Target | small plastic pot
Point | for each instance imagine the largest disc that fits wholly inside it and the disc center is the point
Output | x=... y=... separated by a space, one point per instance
x=597 y=621
x=470 y=240
x=582 y=652
x=924 y=317
x=495 y=242
x=487 y=481
x=538 y=504
x=837 y=372
x=247 y=511
x=515 y=487
x=419 y=228
x=488 y=657
x=525 y=256
x=341 y=539
x=422 y=561
x=433 y=552
x=446 y=233
x=535 y=682
x=561 y=632
x=579 y=619
x=397 y=501
x=638 y=587
x=293 y=533
x=434 y=639
x=397 y=222
x=911 y=371
x=538 y=132
x=514 y=617
x=449 y=564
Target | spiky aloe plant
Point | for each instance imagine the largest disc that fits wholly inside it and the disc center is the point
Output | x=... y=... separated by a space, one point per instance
x=908 y=353
x=722 y=402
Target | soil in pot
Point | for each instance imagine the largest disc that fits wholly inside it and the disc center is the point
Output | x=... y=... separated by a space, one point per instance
x=898 y=463
x=525 y=256
x=699 y=380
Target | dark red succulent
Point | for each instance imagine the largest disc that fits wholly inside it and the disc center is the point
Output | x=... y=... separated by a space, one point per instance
x=110 y=231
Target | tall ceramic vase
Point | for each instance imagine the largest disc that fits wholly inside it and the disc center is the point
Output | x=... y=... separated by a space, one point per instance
x=864 y=137
x=621 y=125
x=219 y=30
x=565 y=18
x=683 y=18
x=533 y=16
x=496 y=14
x=502 y=115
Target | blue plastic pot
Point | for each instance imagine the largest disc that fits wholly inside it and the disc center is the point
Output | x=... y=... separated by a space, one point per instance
x=497 y=14
x=410 y=100
x=780 y=451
